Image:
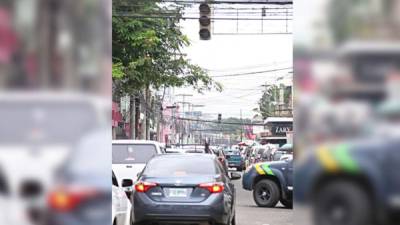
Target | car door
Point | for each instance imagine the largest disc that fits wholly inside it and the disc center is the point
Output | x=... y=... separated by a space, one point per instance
x=390 y=168
x=229 y=191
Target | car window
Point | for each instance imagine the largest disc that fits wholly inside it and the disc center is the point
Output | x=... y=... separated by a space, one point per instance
x=232 y=152
x=132 y=153
x=180 y=167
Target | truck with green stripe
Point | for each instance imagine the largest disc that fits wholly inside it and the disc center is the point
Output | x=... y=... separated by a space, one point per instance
x=351 y=183
x=271 y=182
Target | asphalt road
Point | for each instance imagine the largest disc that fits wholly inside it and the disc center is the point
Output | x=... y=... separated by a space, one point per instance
x=247 y=212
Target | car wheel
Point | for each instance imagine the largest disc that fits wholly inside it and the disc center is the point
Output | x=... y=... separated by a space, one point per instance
x=287 y=203
x=266 y=193
x=342 y=202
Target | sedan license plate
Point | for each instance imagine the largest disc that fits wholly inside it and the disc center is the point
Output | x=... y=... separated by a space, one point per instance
x=177 y=192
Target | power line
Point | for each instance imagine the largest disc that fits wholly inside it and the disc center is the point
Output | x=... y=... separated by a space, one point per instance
x=141 y=16
x=248 y=2
x=213 y=121
x=249 y=66
x=251 y=73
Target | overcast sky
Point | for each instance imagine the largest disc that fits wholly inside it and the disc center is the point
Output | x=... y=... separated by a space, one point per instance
x=232 y=54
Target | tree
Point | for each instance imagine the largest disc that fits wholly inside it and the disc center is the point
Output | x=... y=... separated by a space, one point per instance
x=269 y=100
x=147 y=50
x=352 y=19
x=269 y=103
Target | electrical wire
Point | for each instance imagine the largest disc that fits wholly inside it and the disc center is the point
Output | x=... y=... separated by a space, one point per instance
x=141 y=16
x=252 y=73
x=213 y=121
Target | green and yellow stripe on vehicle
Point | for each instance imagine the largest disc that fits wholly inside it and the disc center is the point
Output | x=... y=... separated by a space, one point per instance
x=337 y=159
x=263 y=169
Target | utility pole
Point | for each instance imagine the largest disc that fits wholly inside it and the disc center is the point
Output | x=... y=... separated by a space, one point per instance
x=183 y=115
x=197 y=122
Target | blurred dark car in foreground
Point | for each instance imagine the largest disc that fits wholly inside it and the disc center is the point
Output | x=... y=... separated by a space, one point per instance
x=82 y=195
x=351 y=183
x=184 y=188
x=270 y=182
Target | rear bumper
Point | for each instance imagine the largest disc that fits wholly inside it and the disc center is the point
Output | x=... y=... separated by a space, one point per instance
x=211 y=210
x=74 y=219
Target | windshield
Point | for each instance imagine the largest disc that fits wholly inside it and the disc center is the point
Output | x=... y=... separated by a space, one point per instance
x=132 y=153
x=180 y=167
x=232 y=152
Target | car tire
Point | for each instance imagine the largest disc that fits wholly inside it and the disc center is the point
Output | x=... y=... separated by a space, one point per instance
x=342 y=202
x=287 y=203
x=266 y=193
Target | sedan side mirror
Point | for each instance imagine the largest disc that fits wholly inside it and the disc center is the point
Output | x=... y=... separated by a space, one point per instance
x=235 y=176
x=127 y=185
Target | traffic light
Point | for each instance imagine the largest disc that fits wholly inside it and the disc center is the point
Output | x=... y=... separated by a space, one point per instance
x=205 y=21
x=219 y=118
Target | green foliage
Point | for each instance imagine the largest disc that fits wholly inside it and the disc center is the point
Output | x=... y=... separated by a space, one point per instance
x=267 y=103
x=147 y=51
x=351 y=19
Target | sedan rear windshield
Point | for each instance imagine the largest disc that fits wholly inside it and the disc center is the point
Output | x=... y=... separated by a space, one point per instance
x=132 y=153
x=180 y=166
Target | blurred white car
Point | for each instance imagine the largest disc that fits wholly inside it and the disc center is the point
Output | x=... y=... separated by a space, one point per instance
x=129 y=157
x=121 y=205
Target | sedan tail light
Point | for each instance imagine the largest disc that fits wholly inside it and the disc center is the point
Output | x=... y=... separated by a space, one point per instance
x=144 y=186
x=66 y=200
x=217 y=187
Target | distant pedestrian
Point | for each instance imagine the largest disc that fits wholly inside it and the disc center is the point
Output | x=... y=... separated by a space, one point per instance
x=207 y=147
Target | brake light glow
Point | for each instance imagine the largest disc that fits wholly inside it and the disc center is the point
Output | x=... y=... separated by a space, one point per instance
x=144 y=186
x=217 y=187
x=67 y=200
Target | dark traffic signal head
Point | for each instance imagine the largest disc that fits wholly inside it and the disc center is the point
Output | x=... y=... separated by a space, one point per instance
x=205 y=21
